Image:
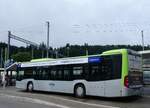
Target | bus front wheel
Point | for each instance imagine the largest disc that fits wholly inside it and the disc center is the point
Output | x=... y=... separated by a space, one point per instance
x=30 y=87
x=79 y=91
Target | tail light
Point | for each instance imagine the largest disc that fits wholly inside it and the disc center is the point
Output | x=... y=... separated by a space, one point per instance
x=126 y=81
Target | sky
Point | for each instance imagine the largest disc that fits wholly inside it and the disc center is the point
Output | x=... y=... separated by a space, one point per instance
x=96 y=22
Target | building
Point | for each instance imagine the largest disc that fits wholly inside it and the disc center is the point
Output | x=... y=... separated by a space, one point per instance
x=146 y=65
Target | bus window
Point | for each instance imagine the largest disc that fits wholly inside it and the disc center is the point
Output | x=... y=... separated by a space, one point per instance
x=28 y=73
x=111 y=67
x=59 y=74
x=20 y=74
x=78 y=72
x=53 y=74
x=44 y=73
x=106 y=71
x=117 y=66
x=95 y=73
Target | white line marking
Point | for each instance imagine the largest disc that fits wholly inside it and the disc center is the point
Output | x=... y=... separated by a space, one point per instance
x=84 y=103
x=58 y=98
x=32 y=100
x=146 y=96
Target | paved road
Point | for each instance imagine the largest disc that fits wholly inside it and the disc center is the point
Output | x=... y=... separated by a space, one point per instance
x=6 y=102
x=14 y=98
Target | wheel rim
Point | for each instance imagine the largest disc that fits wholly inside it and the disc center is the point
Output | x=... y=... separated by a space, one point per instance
x=79 y=91
x=30 y=87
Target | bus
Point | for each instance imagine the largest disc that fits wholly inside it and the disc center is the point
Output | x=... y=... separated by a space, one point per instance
x=114 y=73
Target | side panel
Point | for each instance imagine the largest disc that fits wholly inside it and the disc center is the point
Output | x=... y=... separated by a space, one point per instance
x=113 y=88
x=21 y=85
x=55 y=86
x=95 y=88
x=62 y=86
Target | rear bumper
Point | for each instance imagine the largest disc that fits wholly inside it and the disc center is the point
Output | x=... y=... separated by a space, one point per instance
x=138 y=91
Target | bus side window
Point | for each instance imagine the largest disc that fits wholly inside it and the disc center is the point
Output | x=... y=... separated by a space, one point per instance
x=59 y=74
x=45 y=73
x=106 y=70
x=20 y=74
x=77 y=72
x=95 y=72
x=111 y=67
x=53 y=73
x=35 y=74
x=39 y=73
x=67 y=73
x=86 y=72
x=28 y=72
x=117 y=66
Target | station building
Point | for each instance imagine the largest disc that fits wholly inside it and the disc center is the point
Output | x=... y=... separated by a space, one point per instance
x=146 y=65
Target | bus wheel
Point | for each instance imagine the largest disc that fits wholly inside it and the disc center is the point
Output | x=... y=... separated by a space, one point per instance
x=30 y=87
x=79 y=91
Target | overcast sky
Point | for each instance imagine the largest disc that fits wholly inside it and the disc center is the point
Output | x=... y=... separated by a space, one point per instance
x=97 y=22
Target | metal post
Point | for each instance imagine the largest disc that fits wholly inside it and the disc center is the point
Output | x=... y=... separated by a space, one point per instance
x=1 y=57
x=142 y=39
x=68 y=49
x=56 y=53
x=8 y=45
x=6 y=54
x=42 y=53
x=47 y=39
x=86 y=49
x=32 y=51
x=5 y=71
x=87 y=52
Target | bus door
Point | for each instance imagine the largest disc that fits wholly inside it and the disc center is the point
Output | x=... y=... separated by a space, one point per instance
x=95 y=84
x=60 y=79
x=42 y=78
x=111 y=71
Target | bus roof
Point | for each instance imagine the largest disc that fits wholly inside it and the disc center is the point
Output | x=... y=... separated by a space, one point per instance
x=104 y=53
x=43 y=59
x=68 y=60
x=116 y=51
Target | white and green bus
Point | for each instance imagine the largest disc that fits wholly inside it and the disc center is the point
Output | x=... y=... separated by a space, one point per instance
x=114 y=73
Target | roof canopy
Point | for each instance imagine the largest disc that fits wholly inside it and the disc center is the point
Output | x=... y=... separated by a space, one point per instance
x=12 y=67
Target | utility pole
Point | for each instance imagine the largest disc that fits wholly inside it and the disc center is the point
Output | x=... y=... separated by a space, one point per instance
x=142 y=39
x=8 y=45
x=47 y=39
x=1 y=57
x=32 y=53
x=86 y=49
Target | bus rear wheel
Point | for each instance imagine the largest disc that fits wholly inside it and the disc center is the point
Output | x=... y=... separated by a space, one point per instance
x=79 y=91
x=30 y=87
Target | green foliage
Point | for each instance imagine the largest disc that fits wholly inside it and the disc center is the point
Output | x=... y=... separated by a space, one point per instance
x=21 y=54
x=22 y=57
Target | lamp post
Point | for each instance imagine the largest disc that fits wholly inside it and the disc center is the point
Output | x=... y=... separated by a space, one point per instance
x=142 y=39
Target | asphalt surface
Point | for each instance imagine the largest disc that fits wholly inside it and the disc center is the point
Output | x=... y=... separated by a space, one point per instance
x=10 y=97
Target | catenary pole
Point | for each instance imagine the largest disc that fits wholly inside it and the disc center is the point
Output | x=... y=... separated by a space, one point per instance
x=47 y=39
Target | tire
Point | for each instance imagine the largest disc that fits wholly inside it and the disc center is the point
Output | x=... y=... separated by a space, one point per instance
x=30 y=87
x=79 y=91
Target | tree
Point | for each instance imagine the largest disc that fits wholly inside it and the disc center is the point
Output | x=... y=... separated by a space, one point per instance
x=21 y=57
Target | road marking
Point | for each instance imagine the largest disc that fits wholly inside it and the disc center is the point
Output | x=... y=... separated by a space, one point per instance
x=57 y=105
x=146 y=96
x=32 y=100
x=85 y=103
